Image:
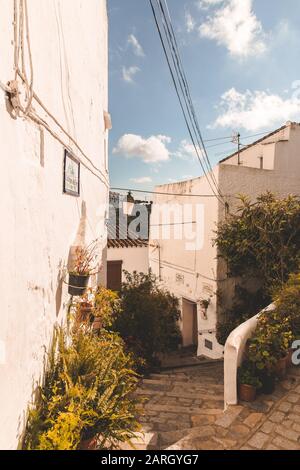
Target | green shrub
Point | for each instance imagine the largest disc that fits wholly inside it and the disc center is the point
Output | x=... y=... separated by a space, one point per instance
x=262 y=240
x=148 y=319
x=270 y=341
x=87 y=392
x=246 y=305
x=287 y=301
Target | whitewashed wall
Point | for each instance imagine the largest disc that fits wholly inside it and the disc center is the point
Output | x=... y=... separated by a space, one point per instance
x=39 y=222
x=190 y=273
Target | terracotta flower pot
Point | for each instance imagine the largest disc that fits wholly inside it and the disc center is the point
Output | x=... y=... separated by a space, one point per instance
x=97 y=325
x=78 y=284
x=289 y=358
x=89 y=444
x=281 y=368
x=247 y=393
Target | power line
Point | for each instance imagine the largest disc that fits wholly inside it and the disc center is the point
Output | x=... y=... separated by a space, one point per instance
x=187 y=91
x=182 y=99
x=183 y=74
x=178 y=94
x=166 y=194
x=218 y=138
x=174 y=224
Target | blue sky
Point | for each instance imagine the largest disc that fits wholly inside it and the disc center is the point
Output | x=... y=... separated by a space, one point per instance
x=241 y=58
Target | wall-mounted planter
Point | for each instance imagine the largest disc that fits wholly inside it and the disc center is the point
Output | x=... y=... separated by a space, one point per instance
x=78 y=284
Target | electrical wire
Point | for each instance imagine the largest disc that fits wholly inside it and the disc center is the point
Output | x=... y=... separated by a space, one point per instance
x=181 y=102
x=38 y=120
x=179 y=268
x=187 y=90
x=21 y=19
x=167 y=193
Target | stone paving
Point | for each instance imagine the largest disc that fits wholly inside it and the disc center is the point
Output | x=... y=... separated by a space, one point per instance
x=184 y=411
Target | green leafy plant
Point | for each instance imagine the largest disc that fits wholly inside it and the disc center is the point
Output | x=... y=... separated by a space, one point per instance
x=262 y=240
x=287 y=303
x=245 y=305
x=248 y=376
x=148 y=318
x=270 y=341
x=106 y=305
x=88 y=391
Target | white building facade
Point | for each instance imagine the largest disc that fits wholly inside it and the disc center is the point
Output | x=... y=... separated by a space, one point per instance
x=188 y=265
x=54 y=179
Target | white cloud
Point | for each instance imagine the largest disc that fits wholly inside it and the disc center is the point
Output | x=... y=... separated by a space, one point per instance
x=255 y=110
x=205 y=4
x=129 y=73
x=136 y=46
x=164 y=138
x=189 y=22
x=187 y=150
x=151 y=150
x=234 y=25
x=142 y=180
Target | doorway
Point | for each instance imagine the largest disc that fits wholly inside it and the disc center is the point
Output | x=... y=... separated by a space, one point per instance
x=114 y=275
x=189 y=323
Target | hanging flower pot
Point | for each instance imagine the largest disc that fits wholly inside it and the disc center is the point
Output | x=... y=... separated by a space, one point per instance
x=78 y=284
x=83 y=266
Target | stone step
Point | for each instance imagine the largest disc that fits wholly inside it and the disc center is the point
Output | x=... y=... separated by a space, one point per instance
x=169 y=438
x=174 y=393
x=180 y=409
x=143 y=440
x=197 y=382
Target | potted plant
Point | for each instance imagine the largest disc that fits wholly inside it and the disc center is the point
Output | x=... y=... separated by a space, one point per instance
x=248 y=383
x=106 y=306
x=84 y=265
x=282 y=338
x=204 y=304
x=260 y=354
x=84 y=311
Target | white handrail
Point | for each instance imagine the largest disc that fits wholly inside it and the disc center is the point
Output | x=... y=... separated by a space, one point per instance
x=233 y=356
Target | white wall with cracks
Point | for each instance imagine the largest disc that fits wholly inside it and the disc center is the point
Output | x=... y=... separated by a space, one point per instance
x=39 y=222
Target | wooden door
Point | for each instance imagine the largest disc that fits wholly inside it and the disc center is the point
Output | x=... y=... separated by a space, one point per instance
x=114 y=275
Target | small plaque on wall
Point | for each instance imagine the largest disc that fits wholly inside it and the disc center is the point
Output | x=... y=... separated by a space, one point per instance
x=71 y=175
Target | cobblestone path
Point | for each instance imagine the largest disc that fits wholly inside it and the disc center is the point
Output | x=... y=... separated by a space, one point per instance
x=184 y=411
